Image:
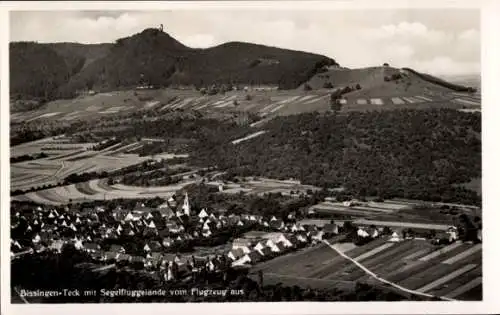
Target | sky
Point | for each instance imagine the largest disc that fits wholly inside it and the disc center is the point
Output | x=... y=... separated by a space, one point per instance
x=443 y=42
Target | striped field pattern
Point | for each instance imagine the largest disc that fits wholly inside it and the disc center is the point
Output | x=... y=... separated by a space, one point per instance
x=452 y=271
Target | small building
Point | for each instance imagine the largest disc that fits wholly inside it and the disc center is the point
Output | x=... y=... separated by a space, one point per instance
x=235 y=254
x=396 y=236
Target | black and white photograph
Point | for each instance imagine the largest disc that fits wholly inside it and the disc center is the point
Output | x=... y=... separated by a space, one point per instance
x=244 y=155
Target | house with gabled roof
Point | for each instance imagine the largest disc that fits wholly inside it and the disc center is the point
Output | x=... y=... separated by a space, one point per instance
x=235 y=254
x=272 y=245
x=250 y=258
x=284 y=240
x=259 y=246
x=330 y=229
x=281 y=247
x=175 y=228
x=266 y=252
x=153 y=260
x=317 y=236
x=167 y=242
x=203 y=214
x=396 y=236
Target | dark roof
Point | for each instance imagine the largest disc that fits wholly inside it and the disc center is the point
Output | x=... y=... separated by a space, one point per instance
x=281 y=247
x=237 y=252
x=124 y=257
x=92 y=246
x=254 y=256
x=267 y=251
x=329 y=228
x=137 y=259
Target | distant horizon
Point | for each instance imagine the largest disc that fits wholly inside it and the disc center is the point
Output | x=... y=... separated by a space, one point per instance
x=414 y=38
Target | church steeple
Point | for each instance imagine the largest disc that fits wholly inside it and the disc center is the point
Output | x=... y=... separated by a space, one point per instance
x=186 y=207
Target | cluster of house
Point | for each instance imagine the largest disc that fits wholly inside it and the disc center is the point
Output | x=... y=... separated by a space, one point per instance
x=104 y=235
x=155 y=233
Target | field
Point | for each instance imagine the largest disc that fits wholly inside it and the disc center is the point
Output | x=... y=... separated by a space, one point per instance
x=98 y=189
x=396 y=213
x=453 y=271
x=67 y=158
x=261 y=186
x=266 y=104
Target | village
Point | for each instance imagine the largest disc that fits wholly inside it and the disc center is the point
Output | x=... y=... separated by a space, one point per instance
x=172 y=242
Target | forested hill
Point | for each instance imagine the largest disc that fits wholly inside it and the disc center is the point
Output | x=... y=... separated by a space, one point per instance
x=417 y=154
x=152 y=57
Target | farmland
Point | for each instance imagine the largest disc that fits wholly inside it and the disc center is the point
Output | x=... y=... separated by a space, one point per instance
x=262 y=103
x=98 y=189
x=66 y=158
x=453 y=271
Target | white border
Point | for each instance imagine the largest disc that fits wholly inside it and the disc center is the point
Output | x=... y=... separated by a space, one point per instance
x=490 y=94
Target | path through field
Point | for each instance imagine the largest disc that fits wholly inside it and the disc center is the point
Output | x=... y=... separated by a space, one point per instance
x=366 y=270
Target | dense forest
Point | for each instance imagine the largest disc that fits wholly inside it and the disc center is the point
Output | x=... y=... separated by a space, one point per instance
x=417 y=154
x=152 y=57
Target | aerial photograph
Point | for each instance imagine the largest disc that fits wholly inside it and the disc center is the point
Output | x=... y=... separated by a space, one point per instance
x=245 y=156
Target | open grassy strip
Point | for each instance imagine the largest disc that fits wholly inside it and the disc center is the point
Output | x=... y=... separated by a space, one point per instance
x=294 y=263
x=372 y=252
x=347 y=272
x=464 y=254
x=85 y=189
x=82 y=157
x=440 y=251
x=21 y=177
x=326 y=209
x=424 y=277
x=418 y=254
x=449 y=287
x=331 y=270
x=467 y=101
x=272 y=279
x=309 y=268
x=50 y=195
x=275 y=264
x=67 y=155
x=412 y=225
x=35 y=197
x=36 y=166
x=374 y=209
x=394 y=253
x=452 y=253
x=124 y=148
x=448 y=277
x=408 y=270
x=383 y=271
x=424 y=98
x=467 y=287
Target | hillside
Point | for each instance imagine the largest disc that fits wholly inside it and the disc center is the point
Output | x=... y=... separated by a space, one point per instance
x=384 y=81
x=417 y=154
x=155 y=58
